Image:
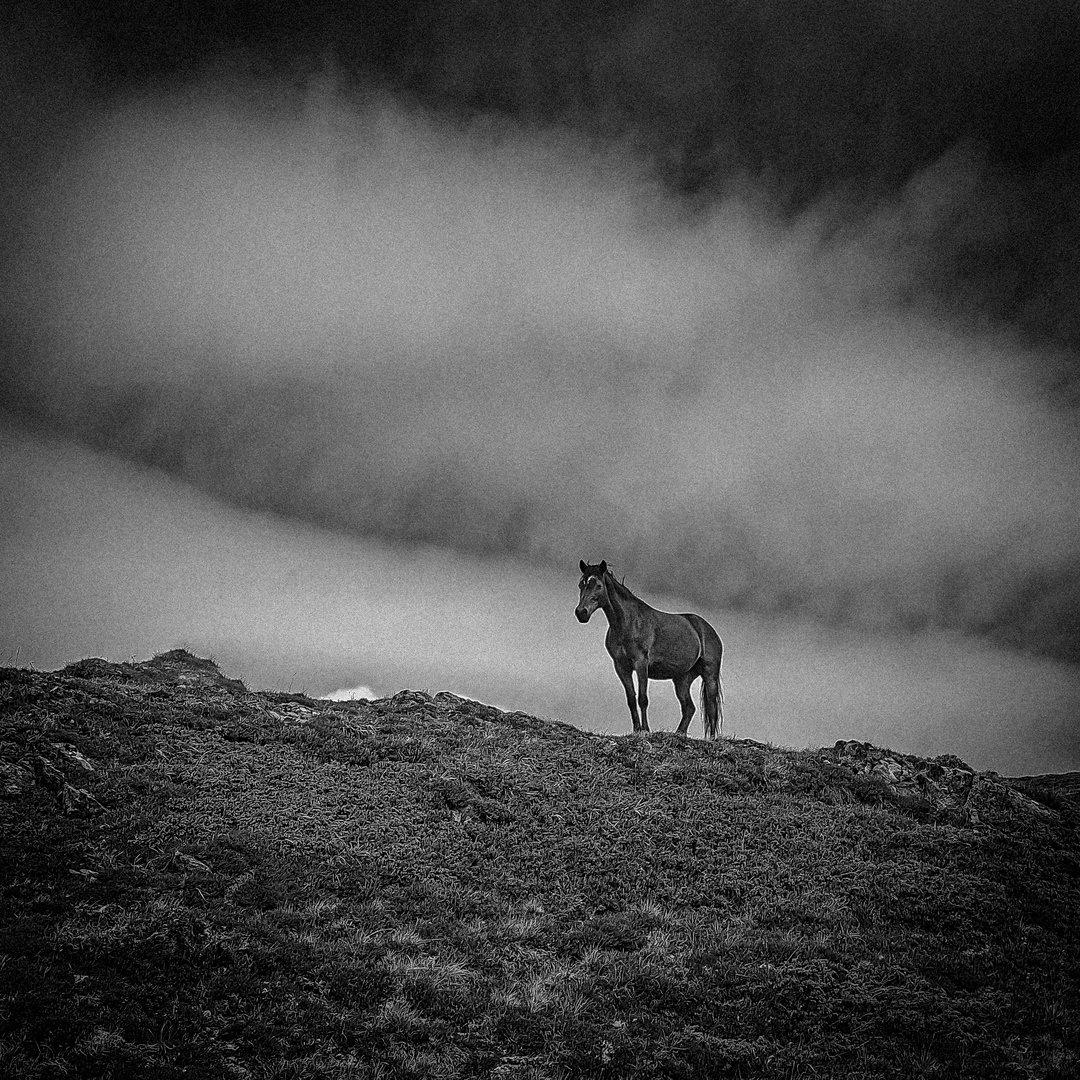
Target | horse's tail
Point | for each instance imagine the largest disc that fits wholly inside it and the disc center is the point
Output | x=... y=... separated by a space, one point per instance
x=712 y=687
x=712 y=705
x=720 y=702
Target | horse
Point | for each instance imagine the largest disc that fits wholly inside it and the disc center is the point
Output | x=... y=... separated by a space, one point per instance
x=655 y=645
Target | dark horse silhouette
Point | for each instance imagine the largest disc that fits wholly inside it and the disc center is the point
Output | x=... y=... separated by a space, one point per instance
x=655 y=645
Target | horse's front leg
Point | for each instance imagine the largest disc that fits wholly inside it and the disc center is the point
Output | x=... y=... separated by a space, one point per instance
x=626 y=677
x=642 y=669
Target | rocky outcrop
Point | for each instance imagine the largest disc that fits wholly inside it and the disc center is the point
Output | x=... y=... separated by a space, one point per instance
x=39 y=755
x=38 y=762
x=949 y=784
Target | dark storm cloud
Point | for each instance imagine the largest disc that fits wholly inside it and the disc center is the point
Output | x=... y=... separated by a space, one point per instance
x=824 y=384
x=820 y=102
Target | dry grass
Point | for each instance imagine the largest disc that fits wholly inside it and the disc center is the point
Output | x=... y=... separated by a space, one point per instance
x=269 y=886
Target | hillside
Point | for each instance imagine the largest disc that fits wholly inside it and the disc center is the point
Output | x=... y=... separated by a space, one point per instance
x=202 y=881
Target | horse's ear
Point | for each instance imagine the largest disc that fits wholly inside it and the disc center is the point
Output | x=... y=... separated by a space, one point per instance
x=603 y=567
x=583 y=566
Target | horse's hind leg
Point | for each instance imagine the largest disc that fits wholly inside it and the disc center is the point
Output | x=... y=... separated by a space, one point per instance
x=682 y=692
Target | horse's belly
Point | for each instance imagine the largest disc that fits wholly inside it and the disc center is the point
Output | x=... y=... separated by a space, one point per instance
x=675 y=649
x=667 y=671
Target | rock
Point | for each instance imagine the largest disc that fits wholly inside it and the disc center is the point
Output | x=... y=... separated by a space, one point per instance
x=15 y=780
x=72 y=757
x=78 y=802
x=889 y=769
x=47 y=774
x=945 y=781
x=412 y=697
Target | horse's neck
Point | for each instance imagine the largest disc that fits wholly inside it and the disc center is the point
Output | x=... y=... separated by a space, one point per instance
x=620 y=602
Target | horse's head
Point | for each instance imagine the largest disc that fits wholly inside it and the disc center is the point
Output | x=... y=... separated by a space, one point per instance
x=591 y=590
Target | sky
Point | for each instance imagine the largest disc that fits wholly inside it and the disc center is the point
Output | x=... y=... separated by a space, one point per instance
x=331 y=345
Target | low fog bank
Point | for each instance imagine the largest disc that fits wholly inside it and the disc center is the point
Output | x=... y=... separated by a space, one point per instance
x=106 y=558
x=515 y=344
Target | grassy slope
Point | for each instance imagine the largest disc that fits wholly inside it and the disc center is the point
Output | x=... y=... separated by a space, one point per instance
x=261 y=885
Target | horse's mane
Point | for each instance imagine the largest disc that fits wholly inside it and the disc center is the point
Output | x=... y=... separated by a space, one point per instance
x=620 y=583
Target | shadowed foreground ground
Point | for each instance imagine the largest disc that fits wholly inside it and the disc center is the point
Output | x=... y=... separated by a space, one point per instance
x=202 y=881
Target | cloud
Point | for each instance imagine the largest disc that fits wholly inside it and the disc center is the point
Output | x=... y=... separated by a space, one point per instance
x=516 y=341
x=354 y=693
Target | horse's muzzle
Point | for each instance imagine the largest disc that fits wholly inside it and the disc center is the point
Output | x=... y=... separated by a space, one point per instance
x=582 y=614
